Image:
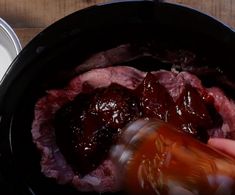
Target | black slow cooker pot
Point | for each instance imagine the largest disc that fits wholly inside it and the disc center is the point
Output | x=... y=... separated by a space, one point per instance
x=45 y=63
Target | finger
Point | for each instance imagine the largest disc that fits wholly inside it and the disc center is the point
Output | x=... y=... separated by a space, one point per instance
x=225 y=145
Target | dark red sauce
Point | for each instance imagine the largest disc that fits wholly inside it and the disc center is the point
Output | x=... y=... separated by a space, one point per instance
x=154 y=99
x=87 y=127
x=191 y=114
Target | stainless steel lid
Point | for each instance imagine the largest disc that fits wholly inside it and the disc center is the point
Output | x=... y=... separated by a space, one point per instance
x=9 y=46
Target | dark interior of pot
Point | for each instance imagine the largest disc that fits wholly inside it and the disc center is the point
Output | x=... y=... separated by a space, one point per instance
x=47 y=62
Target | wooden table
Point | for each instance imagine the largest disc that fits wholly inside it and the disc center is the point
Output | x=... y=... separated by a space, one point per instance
x=29 y=17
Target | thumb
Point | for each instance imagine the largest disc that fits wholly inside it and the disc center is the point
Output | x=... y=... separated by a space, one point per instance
x=224 y=145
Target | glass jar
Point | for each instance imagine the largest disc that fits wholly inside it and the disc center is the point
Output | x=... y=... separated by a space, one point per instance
x=155 y=158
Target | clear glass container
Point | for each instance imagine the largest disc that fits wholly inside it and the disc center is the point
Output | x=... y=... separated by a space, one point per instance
x=155 y=158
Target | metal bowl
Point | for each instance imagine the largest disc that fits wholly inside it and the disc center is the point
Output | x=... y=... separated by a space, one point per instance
x=9 y=46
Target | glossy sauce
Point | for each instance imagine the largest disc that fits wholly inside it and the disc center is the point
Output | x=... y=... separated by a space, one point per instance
x=154 y=99
x=87 y=127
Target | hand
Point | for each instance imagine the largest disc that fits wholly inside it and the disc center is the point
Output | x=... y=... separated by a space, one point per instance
x=224 y=145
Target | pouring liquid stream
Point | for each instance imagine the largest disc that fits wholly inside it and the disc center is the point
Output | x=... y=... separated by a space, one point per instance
x=155 y=158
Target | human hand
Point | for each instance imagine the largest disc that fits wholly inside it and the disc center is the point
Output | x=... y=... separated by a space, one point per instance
x=224 y=145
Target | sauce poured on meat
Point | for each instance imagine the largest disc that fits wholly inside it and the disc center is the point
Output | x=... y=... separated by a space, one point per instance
x=191 y=114
x=88 y=126
x=154 y=99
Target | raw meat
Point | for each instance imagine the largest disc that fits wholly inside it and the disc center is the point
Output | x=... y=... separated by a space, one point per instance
x=104 y=178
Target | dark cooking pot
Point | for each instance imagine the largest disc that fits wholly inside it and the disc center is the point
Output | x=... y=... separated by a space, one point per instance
x=69 y=42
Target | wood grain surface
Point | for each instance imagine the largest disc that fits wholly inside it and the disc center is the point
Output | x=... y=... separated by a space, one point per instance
x=29 y=17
